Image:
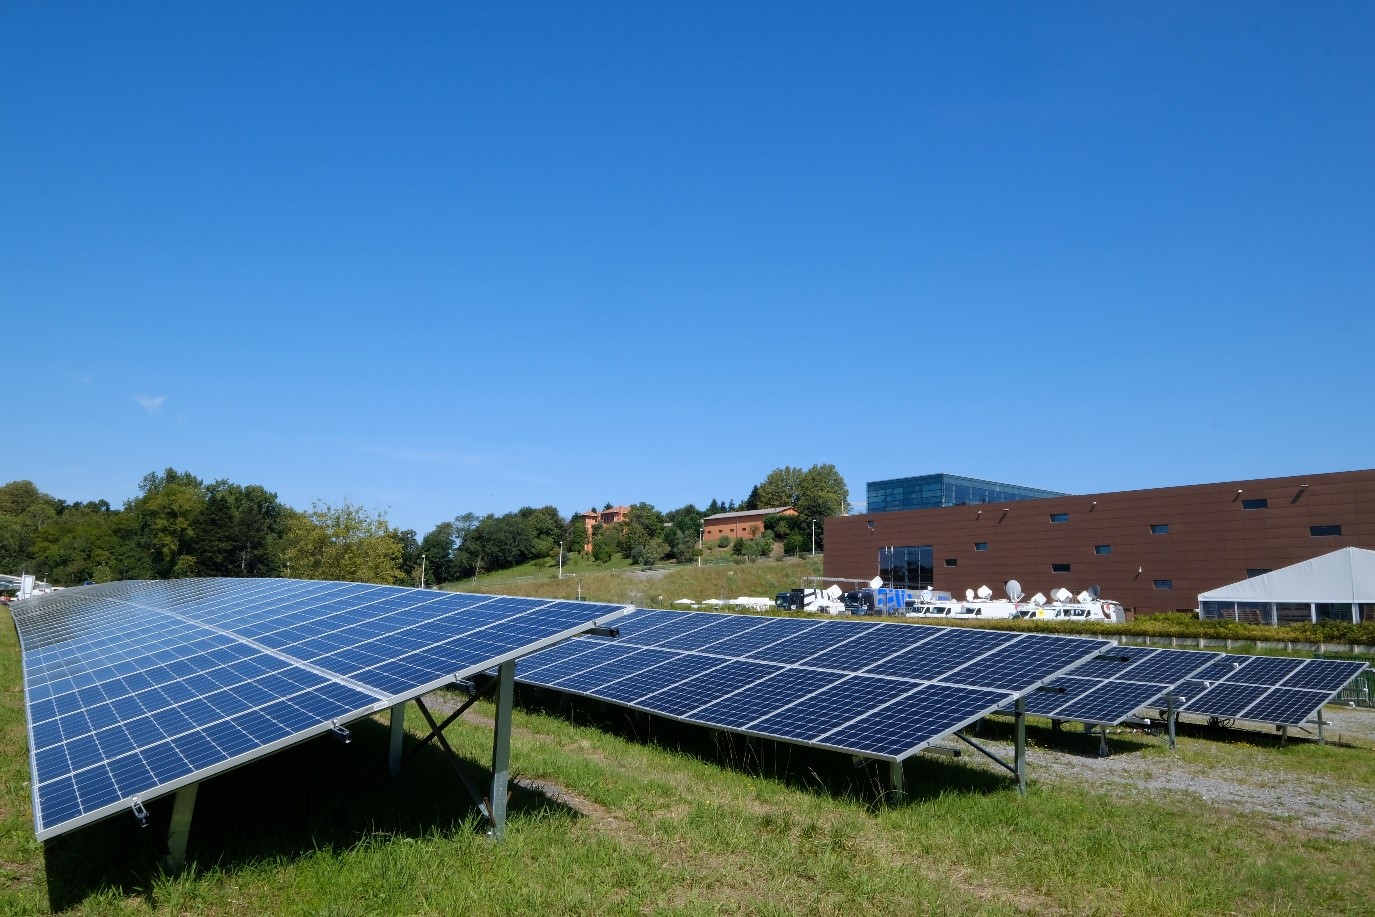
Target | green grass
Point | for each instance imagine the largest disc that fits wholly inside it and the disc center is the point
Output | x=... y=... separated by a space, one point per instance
x=681 y=821
x=658 y=588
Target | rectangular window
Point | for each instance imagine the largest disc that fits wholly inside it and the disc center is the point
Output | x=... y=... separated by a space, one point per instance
x=1164 y=583
x=906 y=567
x=1102 y=549
x=952 y=562
x=1160 y=528
x=1318 y=530
x=1059 y=568
x=1252 y=572
x=981 y=546
x=1059 y=517
x=1257 y=503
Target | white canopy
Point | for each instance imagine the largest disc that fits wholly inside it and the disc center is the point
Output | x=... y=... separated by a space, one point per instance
x=1345 y=576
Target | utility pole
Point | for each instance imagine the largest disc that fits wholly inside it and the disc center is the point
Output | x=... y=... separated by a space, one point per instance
x=813 y=537
x=560 y=560
x=422 y=571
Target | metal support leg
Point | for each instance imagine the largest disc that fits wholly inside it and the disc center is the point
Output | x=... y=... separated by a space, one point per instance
x=1103 y=750
x=1019 y=752
x=180 y=829
x=896 y=783
x=1284 y=736
x=1171 y=716
x=501 y=748
x=398 y=729
x=1322 y=739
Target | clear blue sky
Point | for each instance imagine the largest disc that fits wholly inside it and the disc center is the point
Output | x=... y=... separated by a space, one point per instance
x=440 y=258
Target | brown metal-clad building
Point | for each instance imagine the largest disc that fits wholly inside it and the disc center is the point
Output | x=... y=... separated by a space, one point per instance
x=1151 y=550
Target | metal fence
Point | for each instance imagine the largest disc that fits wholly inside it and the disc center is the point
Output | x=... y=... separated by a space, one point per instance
x=1360 y=692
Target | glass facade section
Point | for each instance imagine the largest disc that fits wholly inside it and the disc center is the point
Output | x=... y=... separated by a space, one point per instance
x=1257 y=503
x=981 y=546
x=909 y=567
x=933 y=490
x=1160 y=528
x=1102 y=549
x=1164 y=583
x=1059 y=517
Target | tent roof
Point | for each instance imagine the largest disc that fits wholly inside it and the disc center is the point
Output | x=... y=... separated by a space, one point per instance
x=1347 y=576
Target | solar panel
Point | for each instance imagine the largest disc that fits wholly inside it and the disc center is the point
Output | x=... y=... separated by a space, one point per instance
x=1107 y=690
x=134 y=689
x=1266 y=689
x=877 y=689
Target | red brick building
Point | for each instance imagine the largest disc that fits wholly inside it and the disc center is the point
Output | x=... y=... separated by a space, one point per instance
x=742 y=524
x=595 y=517
x=1151 y=550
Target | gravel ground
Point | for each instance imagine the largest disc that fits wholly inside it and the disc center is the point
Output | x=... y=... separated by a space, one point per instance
x=1317 y=803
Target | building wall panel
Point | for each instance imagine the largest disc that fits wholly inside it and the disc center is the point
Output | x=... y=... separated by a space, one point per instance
x=1212 y=540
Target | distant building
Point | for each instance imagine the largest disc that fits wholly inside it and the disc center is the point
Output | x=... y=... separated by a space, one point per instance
x=928 y=491
x=1152 y=550
x=741 y=524
x=595 y=517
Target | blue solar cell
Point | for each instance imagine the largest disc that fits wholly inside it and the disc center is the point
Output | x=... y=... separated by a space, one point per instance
x=1287 y=706
x=871 y=647
x=1227 y=701
x=1019 y=664
x=765 y=697
x=756 y=639
x=719 y=629
x=832 y=708
x=1329 y=675
x=619 y=667
x=915 y=720
x=1265 y=670
x=943 y=653
x=820 y=636
x=1106 y=702
x=651 y=679
x=686 y=696
x=1056 y=694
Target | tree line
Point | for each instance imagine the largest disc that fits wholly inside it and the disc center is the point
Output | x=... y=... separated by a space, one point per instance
x=180 y=526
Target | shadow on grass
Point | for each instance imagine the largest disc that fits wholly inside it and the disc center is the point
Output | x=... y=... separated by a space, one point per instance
x=863 y=781
x=320 y=795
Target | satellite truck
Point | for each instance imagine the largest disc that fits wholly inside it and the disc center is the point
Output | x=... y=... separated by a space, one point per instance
x=1086 y=607
x=825 y=601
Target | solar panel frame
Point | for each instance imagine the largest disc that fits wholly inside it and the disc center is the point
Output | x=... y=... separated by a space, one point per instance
x=1106 y=691
x=119 y=679
x=798 y=692
x=1279 y=690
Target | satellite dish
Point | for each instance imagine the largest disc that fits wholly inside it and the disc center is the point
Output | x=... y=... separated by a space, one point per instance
x=834 y=592
x=876 y=583
x=1096 y=591
x=984 y=592
x=1038 y=600
x=1061 y=595
x=927 y=595
x=969 y=595
x=1014 y=590
x=1083 y=597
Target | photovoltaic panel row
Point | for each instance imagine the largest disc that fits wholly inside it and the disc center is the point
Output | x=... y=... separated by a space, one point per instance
x=135 y=688
x=1107 y=690
x=1266 y=689
x=877 y=689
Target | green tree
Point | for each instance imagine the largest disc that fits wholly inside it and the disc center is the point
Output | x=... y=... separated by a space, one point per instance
x=165 y=514
x=345 y=542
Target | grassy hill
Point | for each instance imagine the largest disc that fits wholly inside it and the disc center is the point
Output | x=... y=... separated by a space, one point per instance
x=655 y=588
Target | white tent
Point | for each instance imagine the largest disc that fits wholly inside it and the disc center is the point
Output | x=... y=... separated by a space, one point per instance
x=1305 y=591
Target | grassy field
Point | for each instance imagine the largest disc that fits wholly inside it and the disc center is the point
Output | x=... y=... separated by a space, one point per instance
x=685 y=821
x=657 y=588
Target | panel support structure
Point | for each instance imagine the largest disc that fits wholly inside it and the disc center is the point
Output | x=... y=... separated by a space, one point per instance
x=896 y=782
x=501 y=748
x=1018 y=766
x=398 y=730
x=179 y=830
x=1019 y=750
